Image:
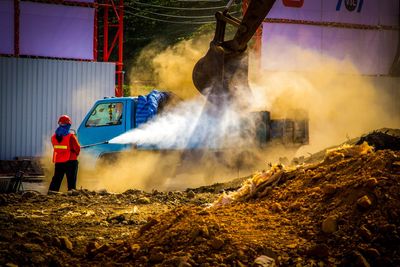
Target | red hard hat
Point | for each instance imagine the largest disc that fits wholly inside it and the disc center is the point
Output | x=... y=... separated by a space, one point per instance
x=64 y=119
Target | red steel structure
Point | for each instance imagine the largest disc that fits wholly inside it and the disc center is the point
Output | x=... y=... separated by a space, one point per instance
x=117 y=12
x=112 y=20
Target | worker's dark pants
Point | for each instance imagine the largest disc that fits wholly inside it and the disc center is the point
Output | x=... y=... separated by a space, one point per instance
x=70 y=168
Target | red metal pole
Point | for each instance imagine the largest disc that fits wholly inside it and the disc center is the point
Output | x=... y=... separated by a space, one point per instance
x=105 y=31
x=95 y=31
x=120 y=64
x=16 y=27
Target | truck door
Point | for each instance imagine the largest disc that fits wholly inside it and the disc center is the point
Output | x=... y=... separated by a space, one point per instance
x=106 y=120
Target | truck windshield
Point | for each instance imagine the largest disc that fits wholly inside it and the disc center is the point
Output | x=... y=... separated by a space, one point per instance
x=106 y=114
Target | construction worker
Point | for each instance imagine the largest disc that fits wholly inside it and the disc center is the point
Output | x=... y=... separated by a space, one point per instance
x=66 y=149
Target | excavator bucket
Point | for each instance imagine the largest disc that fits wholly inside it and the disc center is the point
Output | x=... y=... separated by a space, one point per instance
x=222 y=75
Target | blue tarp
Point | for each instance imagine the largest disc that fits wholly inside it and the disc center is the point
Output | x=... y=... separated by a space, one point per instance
x=147 y=106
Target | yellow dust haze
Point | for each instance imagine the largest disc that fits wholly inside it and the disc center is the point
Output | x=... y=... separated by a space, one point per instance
x=170 y=69
x=340 y=102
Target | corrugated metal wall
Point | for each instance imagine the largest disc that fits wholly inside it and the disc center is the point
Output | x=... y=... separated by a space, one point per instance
x=35 y=92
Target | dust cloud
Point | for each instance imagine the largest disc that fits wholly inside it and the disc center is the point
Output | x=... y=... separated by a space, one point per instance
x=194 y=145
x=340 y=103
x=169 y=69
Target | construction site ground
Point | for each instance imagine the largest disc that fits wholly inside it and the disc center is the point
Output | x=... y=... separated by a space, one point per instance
x=337 y=208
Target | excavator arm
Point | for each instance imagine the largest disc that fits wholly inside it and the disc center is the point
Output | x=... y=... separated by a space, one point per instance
x=222 y=74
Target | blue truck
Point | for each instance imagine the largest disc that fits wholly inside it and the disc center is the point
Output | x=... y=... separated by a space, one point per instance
x=111 y=117
x=222 y=77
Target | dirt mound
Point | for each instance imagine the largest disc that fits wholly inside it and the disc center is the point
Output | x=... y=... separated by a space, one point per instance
x=341 y=211
x=79 y=227
x=384 y=139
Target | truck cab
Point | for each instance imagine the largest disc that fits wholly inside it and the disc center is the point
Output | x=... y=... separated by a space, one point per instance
x=108 y=118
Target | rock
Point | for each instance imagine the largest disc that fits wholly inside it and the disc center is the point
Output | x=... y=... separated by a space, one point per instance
x=29 y=247
x=103 y=192
x=371 y=183
x=119 y=218
x=329 y=189
x=204 y=231
x=359 y=260
x=132 y=192
x=135 y=210
x=199 y=240
x=29 y=194
x=91 y=246
x=184 y=264
x=48 y=238
x=18 y=235
x=55 y=262
x=203 y=213
x=364 y=202
x=98 y=251
x=156 y=257
x=111 y=252
x=120 y=196
x=103 y=248
x=144 y=200
x=38 y=260
x=194 y=233
x=388 y=229
x=57 y=242
x=37 y=240
x=295 y=206
x=216 y=243
x=365 y=233
x=264 y=261
x=3 y=200
x=135 y=248
x=329 y=225
x=319 y=251
x=276 y=207
x=180 y=261
x=73 y=192
x=148 y=225
x=190 y=194
x=66 y=243
x=32 y=234
x=292 y=245
x=372 y=253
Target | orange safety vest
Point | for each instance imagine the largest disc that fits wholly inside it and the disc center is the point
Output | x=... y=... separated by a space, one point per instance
x=62 y=150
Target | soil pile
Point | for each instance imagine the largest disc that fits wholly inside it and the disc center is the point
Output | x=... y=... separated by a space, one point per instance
x=79 y=227
x=339 y=211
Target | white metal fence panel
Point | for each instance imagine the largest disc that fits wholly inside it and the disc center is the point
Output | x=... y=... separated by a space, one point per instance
x=35 y=92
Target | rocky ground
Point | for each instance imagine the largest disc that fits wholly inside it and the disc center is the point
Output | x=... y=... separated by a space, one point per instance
x=337 y=208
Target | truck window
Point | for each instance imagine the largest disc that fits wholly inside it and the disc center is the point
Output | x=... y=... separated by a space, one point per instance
x=106 y=114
